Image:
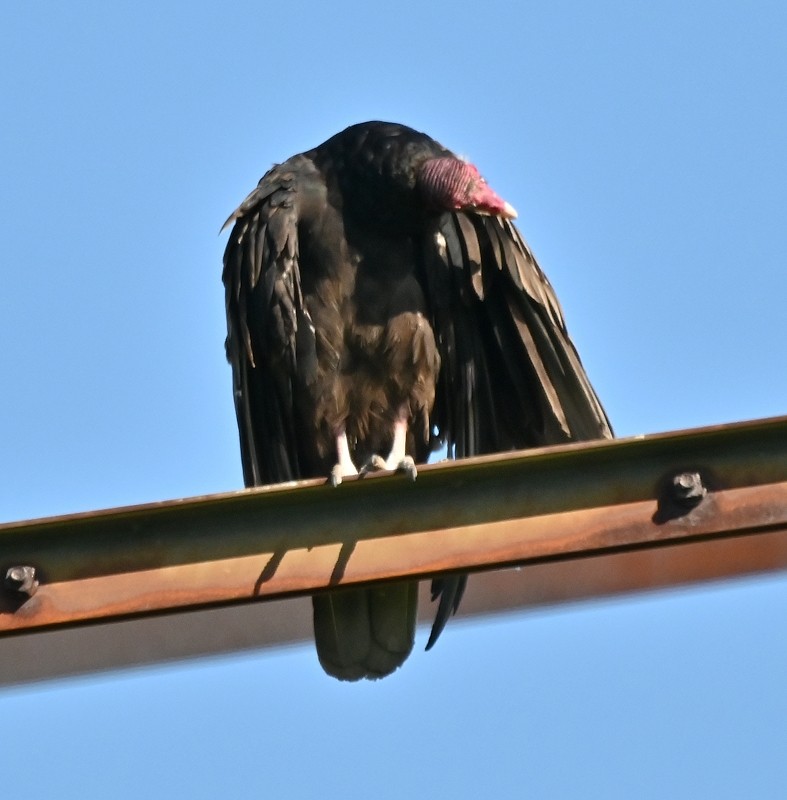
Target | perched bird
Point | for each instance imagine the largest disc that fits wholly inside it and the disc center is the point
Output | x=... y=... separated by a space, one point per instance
x=380 y=304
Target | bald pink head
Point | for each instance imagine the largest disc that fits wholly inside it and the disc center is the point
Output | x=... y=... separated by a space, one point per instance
x=455 y=185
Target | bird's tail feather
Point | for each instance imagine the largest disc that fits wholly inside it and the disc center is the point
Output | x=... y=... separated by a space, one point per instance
x=365 y=633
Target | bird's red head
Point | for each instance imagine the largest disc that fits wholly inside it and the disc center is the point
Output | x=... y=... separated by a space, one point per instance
x=451 y=184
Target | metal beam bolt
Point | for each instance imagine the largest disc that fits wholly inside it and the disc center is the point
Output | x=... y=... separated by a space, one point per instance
x=687 y=489
x=21 y=579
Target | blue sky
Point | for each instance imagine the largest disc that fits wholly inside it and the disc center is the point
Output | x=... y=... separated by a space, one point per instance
x=644 y=148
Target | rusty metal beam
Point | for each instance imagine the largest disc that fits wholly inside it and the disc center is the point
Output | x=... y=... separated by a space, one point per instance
x=578 y=521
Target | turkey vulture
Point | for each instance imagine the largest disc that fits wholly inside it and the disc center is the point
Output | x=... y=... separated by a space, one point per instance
x=381 y=304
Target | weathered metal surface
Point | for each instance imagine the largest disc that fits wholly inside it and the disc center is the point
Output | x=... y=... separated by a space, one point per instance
x=308 y=568
x=583 y=520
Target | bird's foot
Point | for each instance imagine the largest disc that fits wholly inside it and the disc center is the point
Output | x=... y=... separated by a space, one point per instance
x=407 y=465
x=377 y=463
x=339 y=473
x=374 y=463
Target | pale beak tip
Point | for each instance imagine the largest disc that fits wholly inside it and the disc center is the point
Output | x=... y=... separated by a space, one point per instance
x=509 y=212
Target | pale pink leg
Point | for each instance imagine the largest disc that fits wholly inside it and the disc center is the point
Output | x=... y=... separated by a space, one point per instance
x=344 y=466
x=398 y=453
